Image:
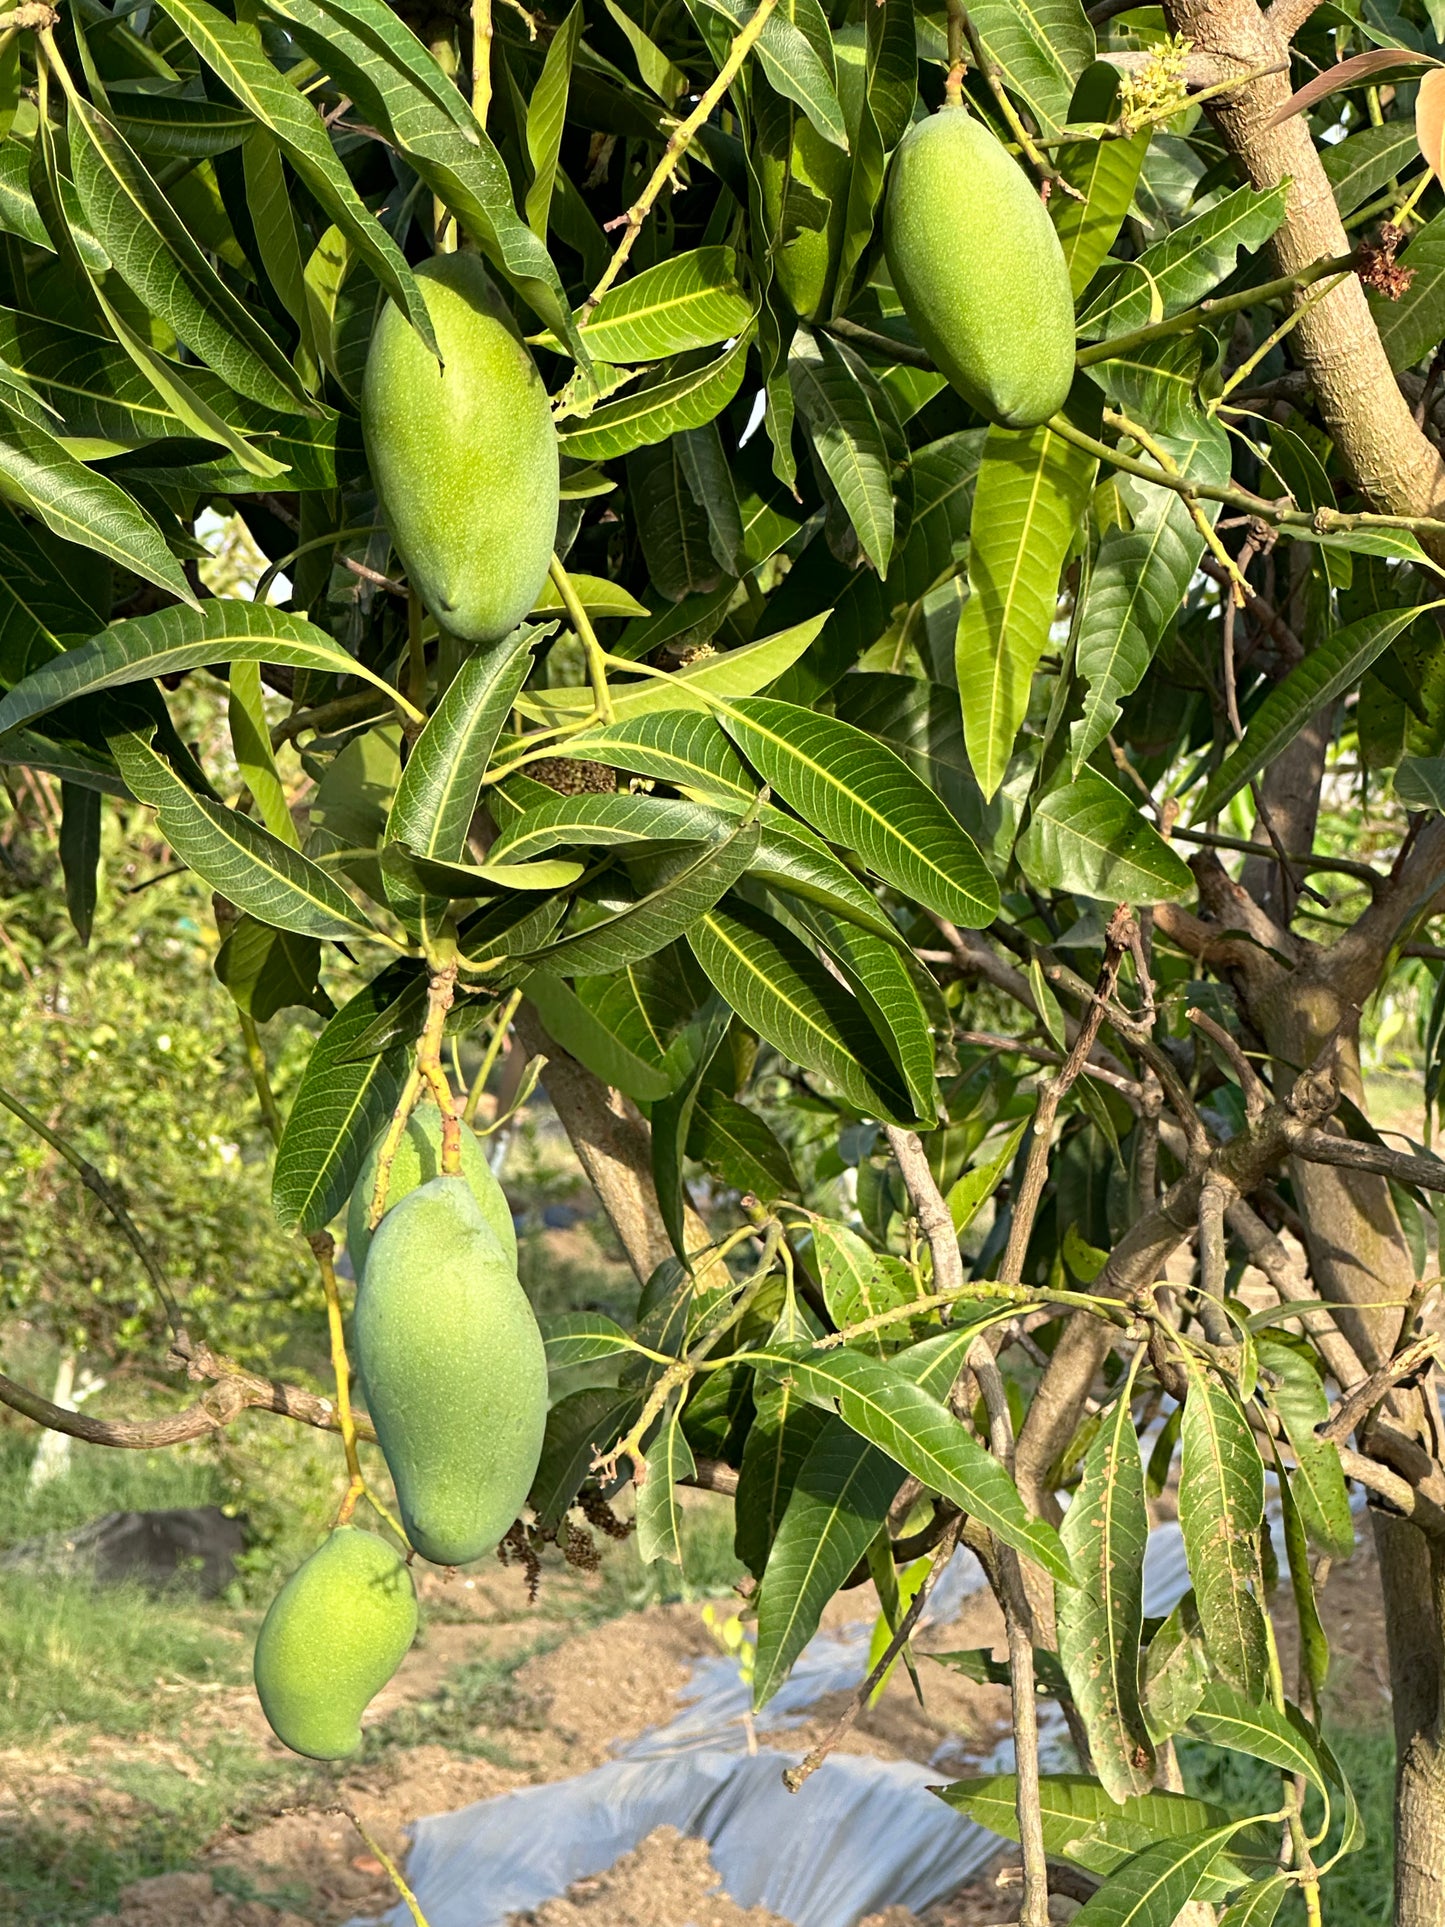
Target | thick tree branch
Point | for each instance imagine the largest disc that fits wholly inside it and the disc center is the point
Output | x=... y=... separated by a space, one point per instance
x=1322 y=1147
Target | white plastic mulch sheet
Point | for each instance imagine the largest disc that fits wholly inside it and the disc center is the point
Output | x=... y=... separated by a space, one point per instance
x=473 y=1867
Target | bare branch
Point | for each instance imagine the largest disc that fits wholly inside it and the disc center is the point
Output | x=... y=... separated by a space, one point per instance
x=1322 y=1147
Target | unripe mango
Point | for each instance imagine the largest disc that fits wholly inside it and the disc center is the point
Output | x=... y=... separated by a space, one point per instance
x=454 y=1371
x=464 y=456
x=418 y=1159
x=979 y=269
x=795 y=161
x=335 y=1633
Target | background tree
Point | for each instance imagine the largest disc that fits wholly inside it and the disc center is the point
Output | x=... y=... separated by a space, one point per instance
x=844 y=777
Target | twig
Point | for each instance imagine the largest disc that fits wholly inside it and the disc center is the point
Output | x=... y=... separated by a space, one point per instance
x=386 y=1156
x=260 y=1077
x=1051 y=1094
x=440 y=992
x=1188 y=318
x=388 y=1865
x=1048 y=175
x=1345 y=866
x=677 y=144
x=102 y=1188
x=494 y=1044
x=481 y=59
x=1322 y=1147
x=1257 y=1095
x=323 y=1248
x=1357 y=1403
x=586 y=634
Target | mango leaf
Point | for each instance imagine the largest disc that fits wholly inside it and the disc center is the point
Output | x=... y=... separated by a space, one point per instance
x=1080 y=1822
x=1314 y=1645
x=81 y=506
x=1177 y=1671
x=700 y=685
x=969 y=1193
x=234 y=53
x=1258 y=1907
x=1231 y=1719
x=659 y=1510
x=547 y=117
x=605 y=822
x=410 y=877
x=1105 y=173
x=579 y=1427
x=1032 y=488
x=691 y=1053
x=581 y=1338
x=862 y=796
x=798 y=65
x=173 y=640
x=1359 y=167
x=255 y=759
x=580 y=1031
x=827 y=1505
x=883 y=983
x=1319 y=1483
x=1221 y=1508
x=1089 y=838
x=598 y=598
x=674 y=529
x=267 y=970
x=691 y=300
x=656 y=412
x=153 y=251
x=170 y=126
x=437 y=796
x=1153 y=1888
x=880 y=1403
x=1326 y=672
x=685 y=747
x=779 y=1440
x=845 y=430
x=856 y=1284
x=1101 y=1620
x=234 y=855
x=735 y=1142
x=1420 y=782
x=1184 y=267
x=688 y=888
x=1041 y=48
x=79 y=843
x=792 y=859
x=339 y=1108
x=1140 y=577
x=781 y=990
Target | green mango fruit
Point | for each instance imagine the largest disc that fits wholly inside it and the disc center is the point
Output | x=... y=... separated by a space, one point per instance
x=454 y=1371
x=334 y=1635
x=979 y=269
x=804 y=180
x=418 y=1159
x=464 y=455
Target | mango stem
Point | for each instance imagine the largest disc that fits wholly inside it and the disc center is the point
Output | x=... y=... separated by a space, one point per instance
x=499 y=1036
x=386 y=1156
x=430 y=1069
x=587 y=636
x=323 y=1247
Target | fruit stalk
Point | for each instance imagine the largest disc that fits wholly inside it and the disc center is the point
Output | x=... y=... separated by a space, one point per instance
x=429 y=1065
x=323 y=1247
x=481 y=59
x=677 y=144
x=1048 y=174
x=499 y=1037
x=587 y=636
x=405 y=1104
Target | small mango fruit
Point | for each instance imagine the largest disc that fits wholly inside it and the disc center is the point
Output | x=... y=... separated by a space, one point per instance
x=464 y=455
x=418 y=1159
x=454 y=1371
x=334 y=1635
x=979 y=269
x=804 y=180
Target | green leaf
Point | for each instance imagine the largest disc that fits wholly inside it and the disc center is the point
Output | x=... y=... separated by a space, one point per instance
x=1139 y=581
x=1101 y=1620
x=1420 y=782
x=173 y=640
x=850 y=440
x=791 y=61
x=793 y=860
x=1041 y=48
x=859 y=1284
x=547 y=117
x=827 y=1491
x=1229 y=1718
x=1411 y=326
x=255 y=759
x=80 y=854
x=691 y=300
x=657 y=71
x=692 y=1053
x=884 y=984
x=578 y=1428
x=659 y=1510
x=1088 y=837
x=234 y=53
x=580 y=1031
x=657 y=411
x=862 y=796
x=779 y=1440
x=153 y=251
x=437 y=796
x=172 y=126
x=598 y=598
x=1314 y=1645
x=1319 y=1483
x=781 y=990
x=685 y=747
x=1105 y=173
x=1221 y=1508
x=1154 y=1887
x=690 y=885
x=607 y=821
x=1187 y=265
x=1359 y=167
x=880 y=1403
x=1258 y=1907
x=1326 y=672
x=1177 y=1671
x=968 y=1195
x=701 y=685
x=234 y=855
x=581 y=1338
x=1080 y=1822
x=339 y=1108
x=1032 y=488
x=268 y=197
x=734 y=1142
x=267 y=970
x=83 y=507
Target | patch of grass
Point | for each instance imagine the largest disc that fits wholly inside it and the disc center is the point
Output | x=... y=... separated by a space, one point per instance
x=477 y=1698
x=1359 y=1891
x=100 y=1480
x=75 y=1657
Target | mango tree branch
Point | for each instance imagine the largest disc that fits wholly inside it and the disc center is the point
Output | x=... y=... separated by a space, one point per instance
x=677 y=144
x=1321 y=1147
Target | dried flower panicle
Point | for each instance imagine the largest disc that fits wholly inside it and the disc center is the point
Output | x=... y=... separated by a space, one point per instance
x=574 y=776
x=1377 y=267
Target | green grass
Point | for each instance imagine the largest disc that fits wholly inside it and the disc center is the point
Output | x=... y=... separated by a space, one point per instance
x=1358 y=1893
x=100 y=1480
